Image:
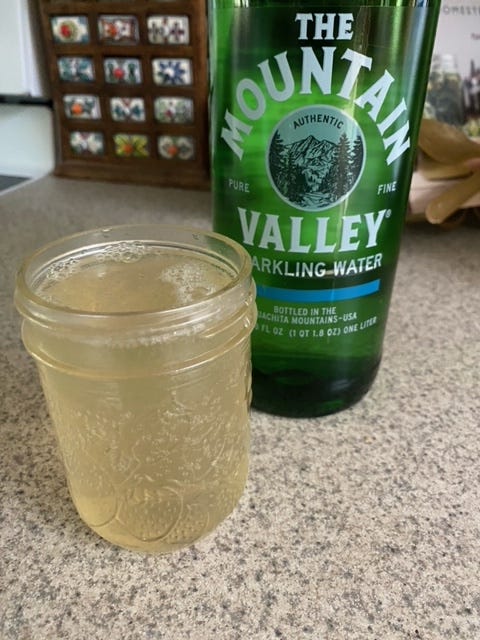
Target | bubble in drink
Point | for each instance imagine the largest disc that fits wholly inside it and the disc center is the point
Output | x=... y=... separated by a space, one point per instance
x=133 y=278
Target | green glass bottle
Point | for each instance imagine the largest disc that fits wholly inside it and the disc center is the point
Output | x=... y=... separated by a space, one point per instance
x=316 y=108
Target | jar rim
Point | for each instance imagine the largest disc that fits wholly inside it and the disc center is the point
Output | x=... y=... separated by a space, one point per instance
x=199 y=241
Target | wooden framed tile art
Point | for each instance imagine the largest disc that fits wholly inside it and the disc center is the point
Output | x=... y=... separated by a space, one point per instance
x=129 y=84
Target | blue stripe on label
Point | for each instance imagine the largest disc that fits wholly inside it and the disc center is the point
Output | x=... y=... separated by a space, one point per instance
x=321 y=295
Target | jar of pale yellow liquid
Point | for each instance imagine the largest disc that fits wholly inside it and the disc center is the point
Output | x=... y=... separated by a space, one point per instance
x=141 y=334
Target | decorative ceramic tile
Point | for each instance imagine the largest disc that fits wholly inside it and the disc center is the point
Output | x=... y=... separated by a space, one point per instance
x=118 y=29
x=168 y=29
x=129 y=145
x=178 y=110
x=122 y=70
x=70 y=29
x=87 y=143
x=127 y=109
x=82 y=106
x=172 y=71
x=176 y=147
x=76 y=69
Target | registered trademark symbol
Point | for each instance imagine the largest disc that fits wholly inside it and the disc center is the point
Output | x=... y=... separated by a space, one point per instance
x=388 y=213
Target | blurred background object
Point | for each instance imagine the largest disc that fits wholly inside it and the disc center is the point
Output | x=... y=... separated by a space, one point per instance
x=129 y=87
x=444 y=185
x=26 y=121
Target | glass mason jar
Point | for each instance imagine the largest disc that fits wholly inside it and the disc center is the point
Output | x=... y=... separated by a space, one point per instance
x=141 y=335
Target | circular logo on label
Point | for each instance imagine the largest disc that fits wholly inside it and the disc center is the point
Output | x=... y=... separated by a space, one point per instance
x=315 y=157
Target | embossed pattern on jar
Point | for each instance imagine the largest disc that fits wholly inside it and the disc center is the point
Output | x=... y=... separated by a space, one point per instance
x=150 y=403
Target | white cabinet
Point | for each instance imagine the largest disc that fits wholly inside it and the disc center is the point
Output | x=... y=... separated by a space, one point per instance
x=26 y=130
x=21 y=64
x=26 y=140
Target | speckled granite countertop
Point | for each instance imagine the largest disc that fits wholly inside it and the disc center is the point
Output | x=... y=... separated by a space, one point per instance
x=361 y=525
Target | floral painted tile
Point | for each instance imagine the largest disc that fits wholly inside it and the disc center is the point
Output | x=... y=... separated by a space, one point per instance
x=127 y=109
x=172 y=71
x=129 y=145
x=176 y=147
x=170 y=109
x=70 y=29
x=122 y=70
x=118 y=29
x=168 y=29
x=76 y=69
x=87 y=143
x=85 y=107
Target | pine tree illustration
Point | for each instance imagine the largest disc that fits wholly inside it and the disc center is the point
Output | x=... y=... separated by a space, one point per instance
x=290 y=190
x=276 y=156
x=297 y=185
x=356 y=159
x=329 y=182
x=342 y=182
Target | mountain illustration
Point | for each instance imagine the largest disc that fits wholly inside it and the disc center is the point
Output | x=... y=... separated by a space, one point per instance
x=313 y=173
x=310 y=150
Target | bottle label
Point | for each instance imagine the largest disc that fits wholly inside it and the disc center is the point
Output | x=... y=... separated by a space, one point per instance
x=315 y=118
